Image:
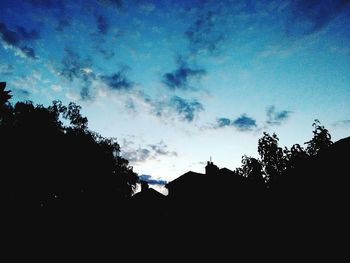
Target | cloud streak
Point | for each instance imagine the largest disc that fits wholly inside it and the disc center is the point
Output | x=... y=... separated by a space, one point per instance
x=18 y=40
x=203 y=34
x=148 y=152
x=6 y=69
x=181 y=77
x=72 y=66
x=275 y=117
x=308 y=17
x=342 y=123
x=186 y=109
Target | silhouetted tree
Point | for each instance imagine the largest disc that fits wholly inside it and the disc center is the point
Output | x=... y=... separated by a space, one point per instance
x=52 y=160
x=320 y=141
x=4 y=95
x=5 y=106
x=294 y=156
x=251 y=169
x=272 y=157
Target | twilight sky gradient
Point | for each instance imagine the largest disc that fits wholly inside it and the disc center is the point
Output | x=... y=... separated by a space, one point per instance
x=178 y=81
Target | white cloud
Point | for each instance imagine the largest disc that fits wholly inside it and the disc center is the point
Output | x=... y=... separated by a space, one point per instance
x=56 y=88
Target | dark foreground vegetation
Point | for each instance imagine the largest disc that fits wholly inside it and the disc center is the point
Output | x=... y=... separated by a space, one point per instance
x=60 y=179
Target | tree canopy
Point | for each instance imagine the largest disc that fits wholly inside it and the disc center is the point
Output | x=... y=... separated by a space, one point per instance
x=51 y=159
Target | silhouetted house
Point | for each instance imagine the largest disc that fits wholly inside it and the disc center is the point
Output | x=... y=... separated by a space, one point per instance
x=148 y=194
x=148 y=202
x=185 y=185
x=215 y=182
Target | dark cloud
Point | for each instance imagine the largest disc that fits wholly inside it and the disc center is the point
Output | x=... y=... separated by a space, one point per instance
x=275 y=117
x=28 y=52
x=28 y=34
x=223 y=122
x=142 y=154
x=16 y=38
x=115 y=3
x=73 y=66
x=244 y=123
x=186 y=109
x=180 y=78
x=85 y=92
x=150 y=180
x=102 y=24
x=9 y=37
x=117 y=81
x=62 y=23
x=137 y=155
x=203 y=34
x=161 y=149
x=307 y=17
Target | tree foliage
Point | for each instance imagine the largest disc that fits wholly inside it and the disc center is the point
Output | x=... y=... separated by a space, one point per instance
x=51 y=159
x=272 y=157
x=251 y=168
x=320 y=141
x=275 y=162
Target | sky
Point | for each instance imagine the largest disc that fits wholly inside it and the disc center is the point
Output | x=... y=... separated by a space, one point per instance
x=179 y=81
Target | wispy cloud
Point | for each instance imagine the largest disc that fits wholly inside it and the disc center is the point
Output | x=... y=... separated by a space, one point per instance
x=117 y=81
x=102 y=24
x=180 y=78
x=308 y=17
x=6 y=69
x=144 y=153
x=18 y=40
x=72 y=66
x=203 y=34
x=186 y=109
x=161 y=149
x=275 y=117
x=25 y=34
x=342 y=124
x=25 y=85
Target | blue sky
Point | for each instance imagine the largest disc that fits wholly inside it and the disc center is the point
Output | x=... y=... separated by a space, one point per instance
x=179 y=81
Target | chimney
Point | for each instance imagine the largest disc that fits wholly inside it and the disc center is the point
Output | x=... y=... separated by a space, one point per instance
x=211 y=168
x=144 y=186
